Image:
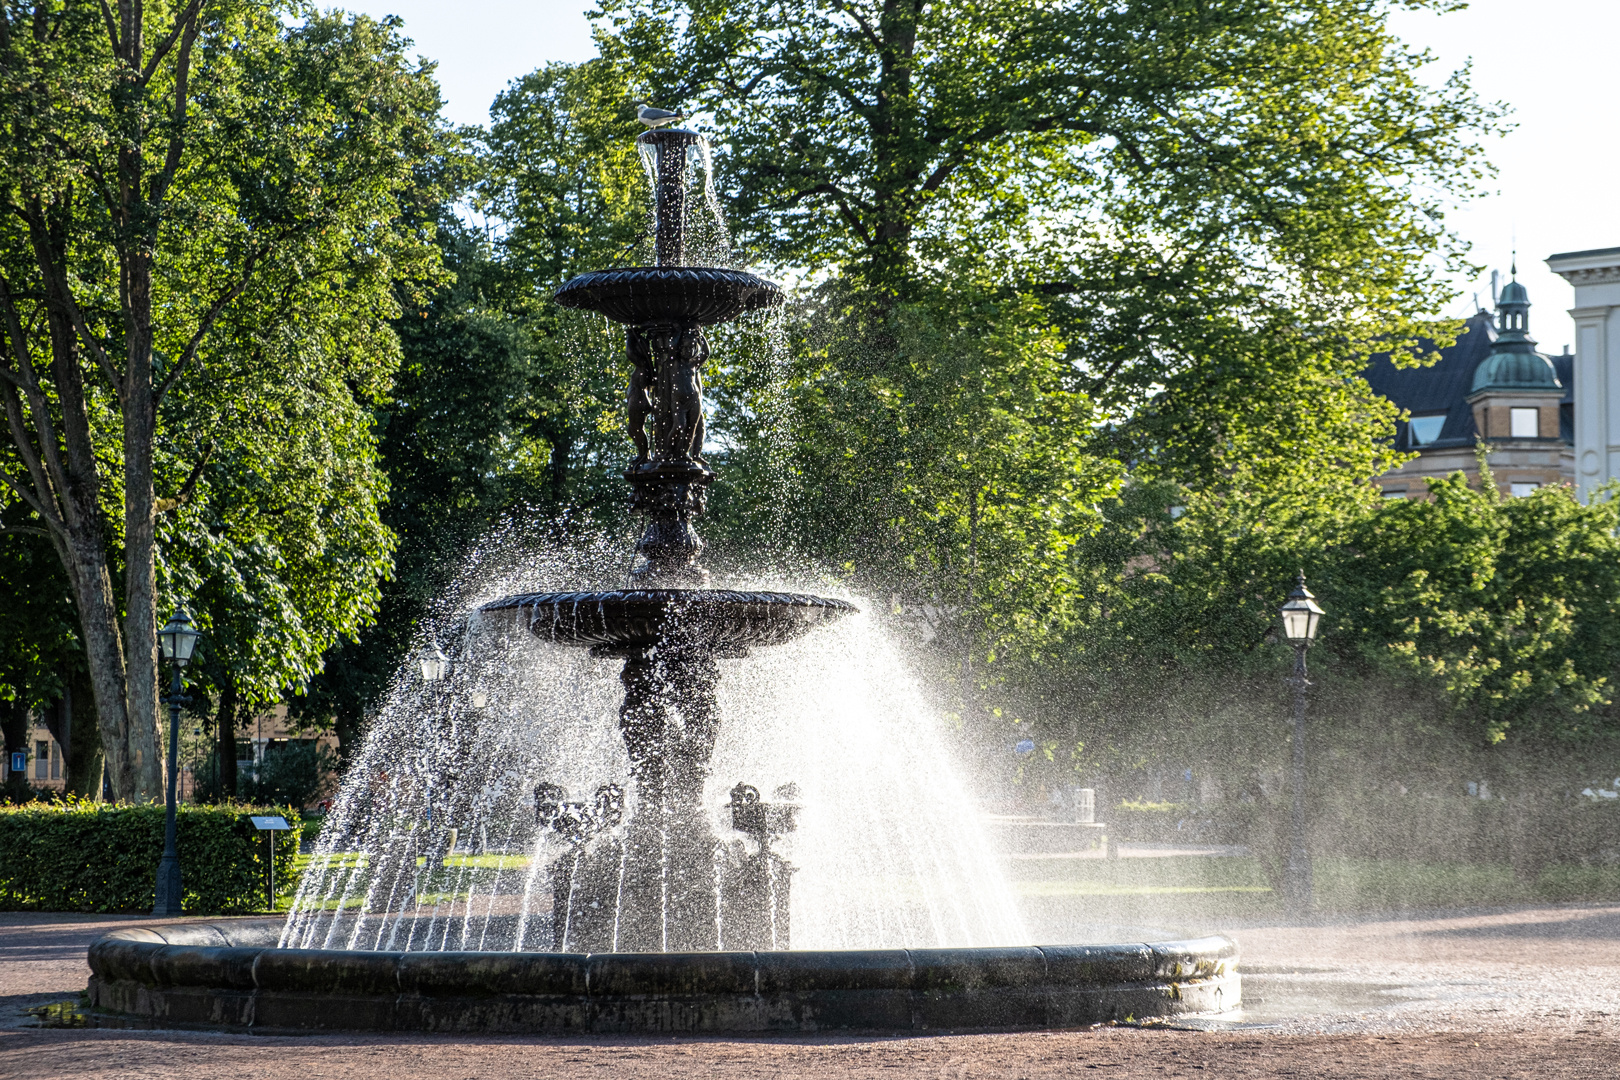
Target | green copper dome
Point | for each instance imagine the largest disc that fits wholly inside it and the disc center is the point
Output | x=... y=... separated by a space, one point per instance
x=1514 y=363
x=1515 y=370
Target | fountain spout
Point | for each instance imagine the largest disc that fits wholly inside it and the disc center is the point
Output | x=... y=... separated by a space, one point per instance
x=668 y=152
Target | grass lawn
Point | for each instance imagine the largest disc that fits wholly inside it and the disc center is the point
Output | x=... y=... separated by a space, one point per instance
x=1129 y=891
x=1135 y=890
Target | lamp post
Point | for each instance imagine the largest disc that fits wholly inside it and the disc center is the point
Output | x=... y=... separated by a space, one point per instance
x=1300 y=617
x=178 y=638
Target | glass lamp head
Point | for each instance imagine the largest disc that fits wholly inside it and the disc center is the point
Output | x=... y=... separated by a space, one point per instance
x=1300 y=614
x=435 y=665
x=178 y=638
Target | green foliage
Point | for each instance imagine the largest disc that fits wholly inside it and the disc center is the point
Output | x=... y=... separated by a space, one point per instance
x=206 y=214
x=1512 y=606
x=1455 y=624
x=890 y=136
x=561 y=172
x=1063 y=246
x=84 y=856
x=38 y=625
x=296 y=773
x=953 y=466
x=504 y=405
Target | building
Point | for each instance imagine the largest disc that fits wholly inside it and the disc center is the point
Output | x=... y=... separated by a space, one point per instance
x=1494 y=386
x=44 y=765
x=1596 y=277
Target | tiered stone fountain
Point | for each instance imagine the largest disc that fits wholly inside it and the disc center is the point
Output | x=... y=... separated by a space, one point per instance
x=655 y=925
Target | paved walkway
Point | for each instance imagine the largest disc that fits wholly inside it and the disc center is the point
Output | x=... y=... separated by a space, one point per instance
x=1522 y=992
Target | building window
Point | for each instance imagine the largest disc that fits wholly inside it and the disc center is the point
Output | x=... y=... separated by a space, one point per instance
x=1526 y=423
x=1425 y=429
x=1394 y=493
x=1521 y=490
x=42 y=760
x=56 y=761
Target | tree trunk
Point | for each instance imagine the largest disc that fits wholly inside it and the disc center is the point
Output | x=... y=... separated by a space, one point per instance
x=140 y=521
x=104 y=653
x=72 y=723
x=140 y=584
x=82 y=545
x=84 y=767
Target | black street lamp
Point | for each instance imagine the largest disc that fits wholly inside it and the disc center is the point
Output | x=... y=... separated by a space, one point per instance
x=178 y=638
x=1300 y=616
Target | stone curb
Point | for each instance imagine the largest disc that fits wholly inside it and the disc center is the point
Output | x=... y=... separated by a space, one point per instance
x=232 y=975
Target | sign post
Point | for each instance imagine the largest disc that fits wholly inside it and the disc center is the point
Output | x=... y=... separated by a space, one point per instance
x=270 y=825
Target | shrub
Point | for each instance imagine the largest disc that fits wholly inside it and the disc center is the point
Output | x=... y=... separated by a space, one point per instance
x=84 y=856
x=296 y=773
x=292 y=775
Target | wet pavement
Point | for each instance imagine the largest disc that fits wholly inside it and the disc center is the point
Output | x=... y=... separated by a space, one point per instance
x=1510 y=992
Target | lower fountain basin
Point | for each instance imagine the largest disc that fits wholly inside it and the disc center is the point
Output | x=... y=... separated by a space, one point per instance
x=722 y=621
x=232 y=975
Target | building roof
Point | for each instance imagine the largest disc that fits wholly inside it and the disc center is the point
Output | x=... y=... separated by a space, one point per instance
x=1492 y=353
x=1589 y=253
x=1514 y=363
x=1519 y=369
x=1441 y=388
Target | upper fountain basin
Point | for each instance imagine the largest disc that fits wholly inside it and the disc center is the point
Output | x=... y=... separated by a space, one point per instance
x=661 y=295
x=720 y=620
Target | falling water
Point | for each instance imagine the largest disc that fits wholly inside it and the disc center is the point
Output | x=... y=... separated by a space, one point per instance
x=708 y=240
x=433 y=843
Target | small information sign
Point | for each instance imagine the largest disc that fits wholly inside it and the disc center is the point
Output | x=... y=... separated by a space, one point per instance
x=270 y=824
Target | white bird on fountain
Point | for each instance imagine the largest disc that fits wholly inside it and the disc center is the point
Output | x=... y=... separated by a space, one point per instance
x=657 y=118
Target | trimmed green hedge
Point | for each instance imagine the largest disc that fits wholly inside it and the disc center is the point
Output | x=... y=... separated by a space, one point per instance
x=85 y=856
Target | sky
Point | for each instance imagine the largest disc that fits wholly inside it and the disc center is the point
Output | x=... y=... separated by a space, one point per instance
x=1550 y=60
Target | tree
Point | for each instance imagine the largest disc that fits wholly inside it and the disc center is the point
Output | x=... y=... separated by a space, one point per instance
x=1510 y=606
x=562 y=177
x=280 y=546
x=1210 y=207
x=1455 y=625
x=451 y=440
x=168 y=169
x=506 y=406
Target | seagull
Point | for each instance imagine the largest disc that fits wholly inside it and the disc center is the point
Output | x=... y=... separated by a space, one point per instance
x=657 y=118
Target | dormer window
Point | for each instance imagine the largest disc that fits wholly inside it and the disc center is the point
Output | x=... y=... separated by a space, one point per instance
x=1526 y=423
x=1424 y=430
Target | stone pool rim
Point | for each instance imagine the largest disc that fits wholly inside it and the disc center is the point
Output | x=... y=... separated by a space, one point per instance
x=231 y=975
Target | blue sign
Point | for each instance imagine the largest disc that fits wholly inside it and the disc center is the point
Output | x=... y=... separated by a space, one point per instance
x=19 y=761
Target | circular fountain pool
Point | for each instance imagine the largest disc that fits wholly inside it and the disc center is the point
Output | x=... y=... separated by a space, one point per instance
x=232 y=974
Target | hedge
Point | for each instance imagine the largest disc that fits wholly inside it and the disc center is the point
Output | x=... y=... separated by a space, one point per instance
x=86 y=856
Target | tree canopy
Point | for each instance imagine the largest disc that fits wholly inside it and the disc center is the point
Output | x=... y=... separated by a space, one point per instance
x=180 y=186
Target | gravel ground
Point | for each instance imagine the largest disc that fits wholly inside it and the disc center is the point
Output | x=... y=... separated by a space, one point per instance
x=1522 y=992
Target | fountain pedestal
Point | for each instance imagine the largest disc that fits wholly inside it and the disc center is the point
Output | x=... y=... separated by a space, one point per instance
x=669 y=884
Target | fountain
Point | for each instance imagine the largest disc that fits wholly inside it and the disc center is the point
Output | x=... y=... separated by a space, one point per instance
x=623 y=909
